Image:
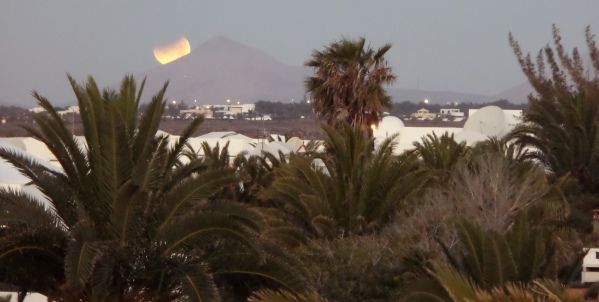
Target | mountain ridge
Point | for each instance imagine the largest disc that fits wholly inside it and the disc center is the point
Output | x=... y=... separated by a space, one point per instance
x=221 y=68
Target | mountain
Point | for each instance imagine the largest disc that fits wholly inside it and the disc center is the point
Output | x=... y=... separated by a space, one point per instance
x=516 y=94
x=221 y=69
x=520 y=92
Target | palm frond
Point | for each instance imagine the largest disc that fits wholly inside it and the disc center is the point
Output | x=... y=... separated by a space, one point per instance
x=197 y=284
x=285 y=296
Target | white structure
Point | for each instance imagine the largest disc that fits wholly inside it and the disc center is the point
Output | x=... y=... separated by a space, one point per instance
x=238 y=143
x=231 y=110
x=71 y=109
x=489 y=121
x=274 y=148
x=423 y=114
x=388 y=126
x=513 y=118
x=451 y=112
x=31 y=297
x=11 y=178
x=32 y=147
x=265 y=117
x=469 y=137
x=36 y=110
x=196 y=111
x=492 y=120
x=407 y=136
x=590 y=266
x=296 y=143
x=220 y=111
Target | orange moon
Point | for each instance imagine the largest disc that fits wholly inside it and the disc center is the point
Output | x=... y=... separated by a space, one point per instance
x=168 y=53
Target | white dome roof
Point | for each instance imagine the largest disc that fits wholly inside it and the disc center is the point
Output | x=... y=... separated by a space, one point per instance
x=469 y=137
x=275 y=147
x=9 y=175
x=388 y=126
x=296 y=143
x=488 y=121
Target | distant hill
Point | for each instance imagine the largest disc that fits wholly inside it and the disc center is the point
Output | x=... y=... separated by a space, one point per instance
x=516 y=94
x=520 y=92
x=221 y=69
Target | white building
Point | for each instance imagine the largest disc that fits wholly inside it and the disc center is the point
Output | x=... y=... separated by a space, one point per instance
x=492 y=120
x=30 y=297
x=265 y=117
x=388 y=126
x=71 y=109
x=230 y=111
x=451 y=112
x=424 y=114
x=196 y=111
x=36 y=110
x=236 y=108
x=590 y=266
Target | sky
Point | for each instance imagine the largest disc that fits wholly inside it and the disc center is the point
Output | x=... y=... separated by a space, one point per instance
x=457 y=45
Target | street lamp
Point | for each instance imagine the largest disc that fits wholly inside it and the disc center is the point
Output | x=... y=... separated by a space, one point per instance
x=426 y=101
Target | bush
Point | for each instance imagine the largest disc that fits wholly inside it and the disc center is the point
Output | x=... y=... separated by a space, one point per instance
x=490 y=189
x=355 y=268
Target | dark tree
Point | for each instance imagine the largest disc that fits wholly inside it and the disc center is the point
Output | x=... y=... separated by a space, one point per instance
x=348 y=85
x=562 y=121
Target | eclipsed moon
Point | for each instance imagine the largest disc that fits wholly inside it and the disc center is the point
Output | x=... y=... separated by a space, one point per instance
x=168 y=53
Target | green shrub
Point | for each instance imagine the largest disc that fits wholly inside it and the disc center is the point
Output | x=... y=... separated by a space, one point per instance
x=355 y=268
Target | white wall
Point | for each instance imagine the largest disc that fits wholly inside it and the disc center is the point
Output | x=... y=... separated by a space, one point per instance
x=590 y=260
x=32 y=297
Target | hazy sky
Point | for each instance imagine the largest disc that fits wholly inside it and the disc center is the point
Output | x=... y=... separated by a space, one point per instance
x=458 y=45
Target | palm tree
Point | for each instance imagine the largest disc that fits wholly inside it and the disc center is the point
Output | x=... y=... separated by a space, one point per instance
x=564 y=136
x=127 y=219
x=489 y=263
x=439 y=155
x=347 y=188
x=348 y=85
x=457 y=287
x=440 y=152
x=490 y=259
x=283 y=296
x=502 y=146
x=253 y=172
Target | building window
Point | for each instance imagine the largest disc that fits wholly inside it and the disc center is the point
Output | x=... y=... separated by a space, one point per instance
x=592 y=269
x=597 y=255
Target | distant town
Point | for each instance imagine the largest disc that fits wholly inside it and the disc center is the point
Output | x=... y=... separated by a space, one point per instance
x=263 y=117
